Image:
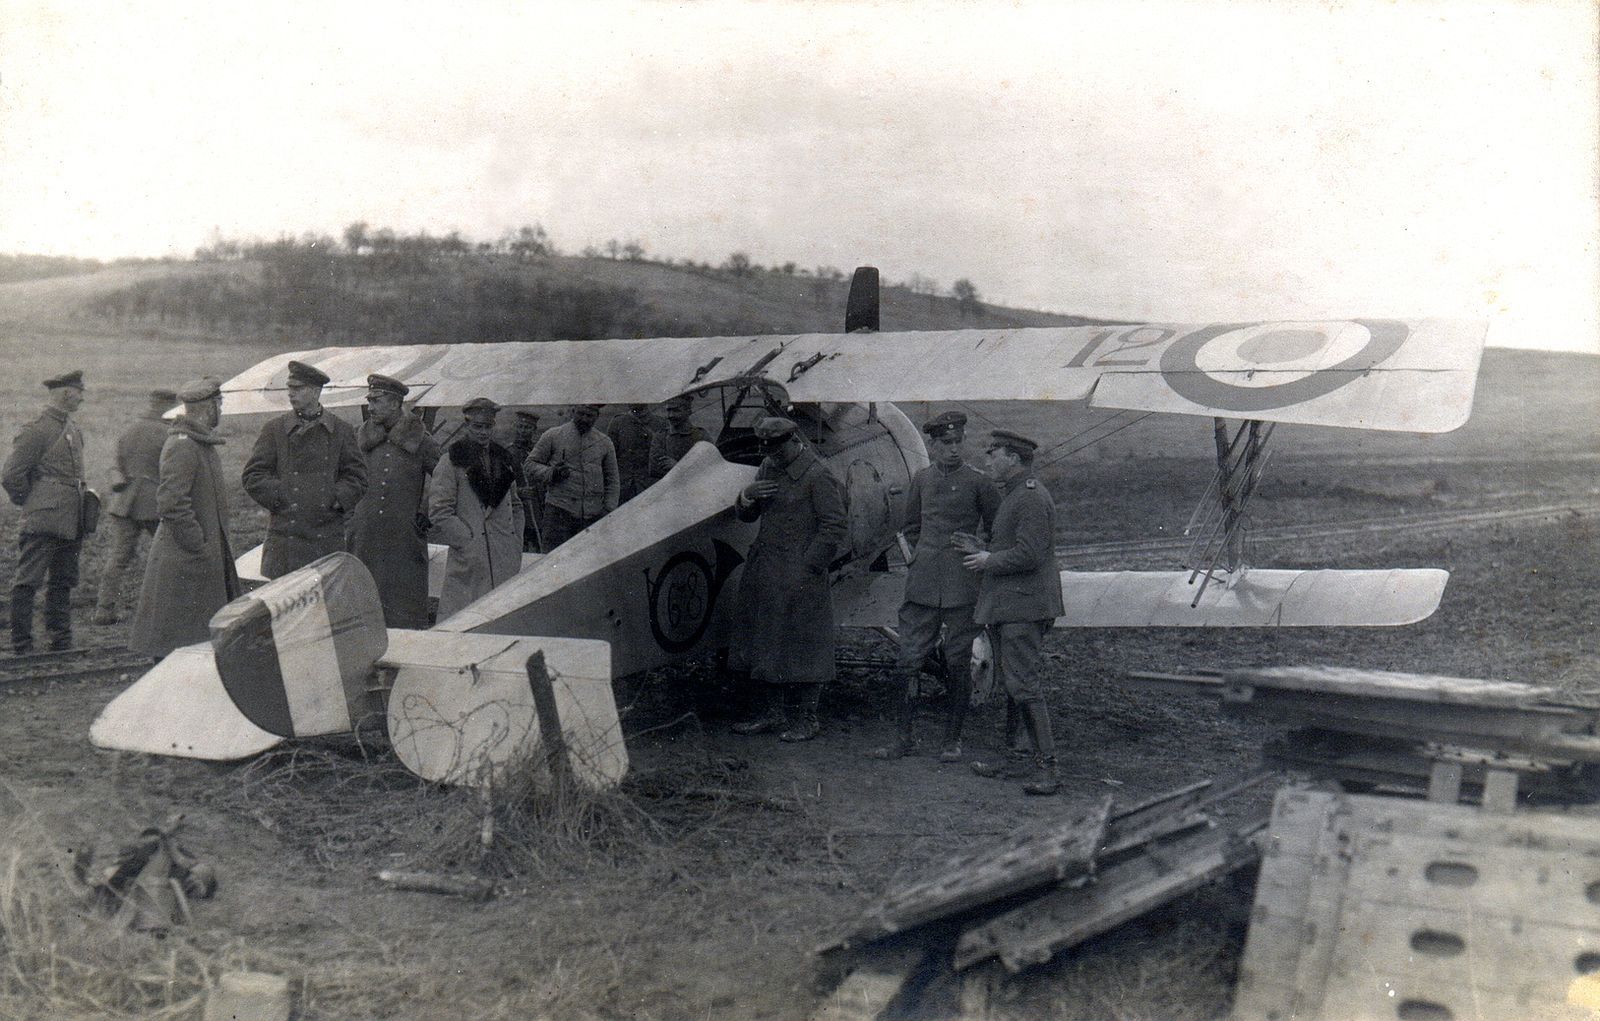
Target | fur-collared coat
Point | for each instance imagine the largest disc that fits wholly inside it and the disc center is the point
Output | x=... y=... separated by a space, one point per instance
x=190 y=574
x=387 y=530
x=475 y=510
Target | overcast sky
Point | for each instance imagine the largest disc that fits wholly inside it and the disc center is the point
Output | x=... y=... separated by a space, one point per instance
x=1166 y=160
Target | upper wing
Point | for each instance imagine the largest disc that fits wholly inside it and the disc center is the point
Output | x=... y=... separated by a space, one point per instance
x=1412 y=376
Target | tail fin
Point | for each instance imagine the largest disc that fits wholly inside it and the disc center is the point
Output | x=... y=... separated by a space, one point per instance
x=861 y=309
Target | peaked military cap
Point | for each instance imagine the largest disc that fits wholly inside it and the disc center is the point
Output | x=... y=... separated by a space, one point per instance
x=774 y=429
x=480 y=407
x=1012 y=441
x=942 y=424
x=379 y=383
x=165 y=398
x=683 y=401
x=301 y=374
x=528 y=416
x=73 y=378
x=197 y=390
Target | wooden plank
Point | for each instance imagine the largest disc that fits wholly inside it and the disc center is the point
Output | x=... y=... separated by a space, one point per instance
x=1063 y=918
x=1336 y=680
x=1035 y=857
x=868 y=989
x=1282 y=925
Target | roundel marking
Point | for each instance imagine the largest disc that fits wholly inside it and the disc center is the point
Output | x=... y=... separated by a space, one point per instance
x=681 y=600
x=1188 y=380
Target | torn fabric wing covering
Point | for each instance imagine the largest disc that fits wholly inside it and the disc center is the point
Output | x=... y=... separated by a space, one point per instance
x=1406 y=375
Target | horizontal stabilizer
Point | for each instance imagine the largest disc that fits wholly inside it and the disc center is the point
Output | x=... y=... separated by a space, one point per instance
x=1252 y=597
x=462 y=709
x=180 y=708
x=248 y=566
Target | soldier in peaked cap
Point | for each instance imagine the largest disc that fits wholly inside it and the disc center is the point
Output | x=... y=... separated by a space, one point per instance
x=307 y=471
x=190 y=575
x=44 y=476
x=1019 y=593
x=131 y=510
x=783 y=618
x=475 y=509
x=947 y=498
x=389 y=528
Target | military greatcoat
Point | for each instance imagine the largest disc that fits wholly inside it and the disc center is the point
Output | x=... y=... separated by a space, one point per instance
x=783 y=620
x=1021 y=581
x=190 y=574
x=310 y=475
x=44 y=475
x=387 y=530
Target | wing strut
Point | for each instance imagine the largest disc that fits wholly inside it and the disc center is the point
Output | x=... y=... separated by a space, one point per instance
x=1219 y=523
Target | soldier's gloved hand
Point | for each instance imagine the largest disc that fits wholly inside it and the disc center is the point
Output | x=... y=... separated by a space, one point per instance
x=559 y=474
x=422 y=523
x=760 y=489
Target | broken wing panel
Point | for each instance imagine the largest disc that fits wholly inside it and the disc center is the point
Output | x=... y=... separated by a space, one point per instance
x=1259 y=598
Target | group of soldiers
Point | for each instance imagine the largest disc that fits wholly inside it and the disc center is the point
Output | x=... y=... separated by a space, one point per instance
x=957 y=585
x=980 y=548
x=379 y=491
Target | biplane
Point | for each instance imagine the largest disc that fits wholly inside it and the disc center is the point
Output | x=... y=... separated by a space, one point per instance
x=652 y=582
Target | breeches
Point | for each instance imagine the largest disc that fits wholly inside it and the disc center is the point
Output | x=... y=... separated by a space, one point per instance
x=919 y=633
x=40 y=556
x=1019 y=657
x=122 y=545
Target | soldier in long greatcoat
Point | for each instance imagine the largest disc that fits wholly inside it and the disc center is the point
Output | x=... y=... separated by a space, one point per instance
x=131 y=509
x=388 y=531
x=1019 y=594
x=190 y=573
x=783 y=619
x=44 y=476
x=473 y=503
x=308 y=472
x=947 y=498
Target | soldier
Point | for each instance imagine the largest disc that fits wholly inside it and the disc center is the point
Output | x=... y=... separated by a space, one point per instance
x=668 y=446
x=632 y=435
x=388 y=530
x=44 y=476
x=307 y=471
x=132 y=507
x=578 y=469
x=1019 y=594
x=947 y=497
x=783 y=619
x=523 y=438
x=473 y=503
x=190 y=575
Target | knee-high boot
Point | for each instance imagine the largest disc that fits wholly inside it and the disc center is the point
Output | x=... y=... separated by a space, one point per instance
x=958 y=699
x=1046 y=777
x=905 y=740
x=21 y=619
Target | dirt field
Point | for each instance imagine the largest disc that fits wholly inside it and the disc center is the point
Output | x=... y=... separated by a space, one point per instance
x=701 y=890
